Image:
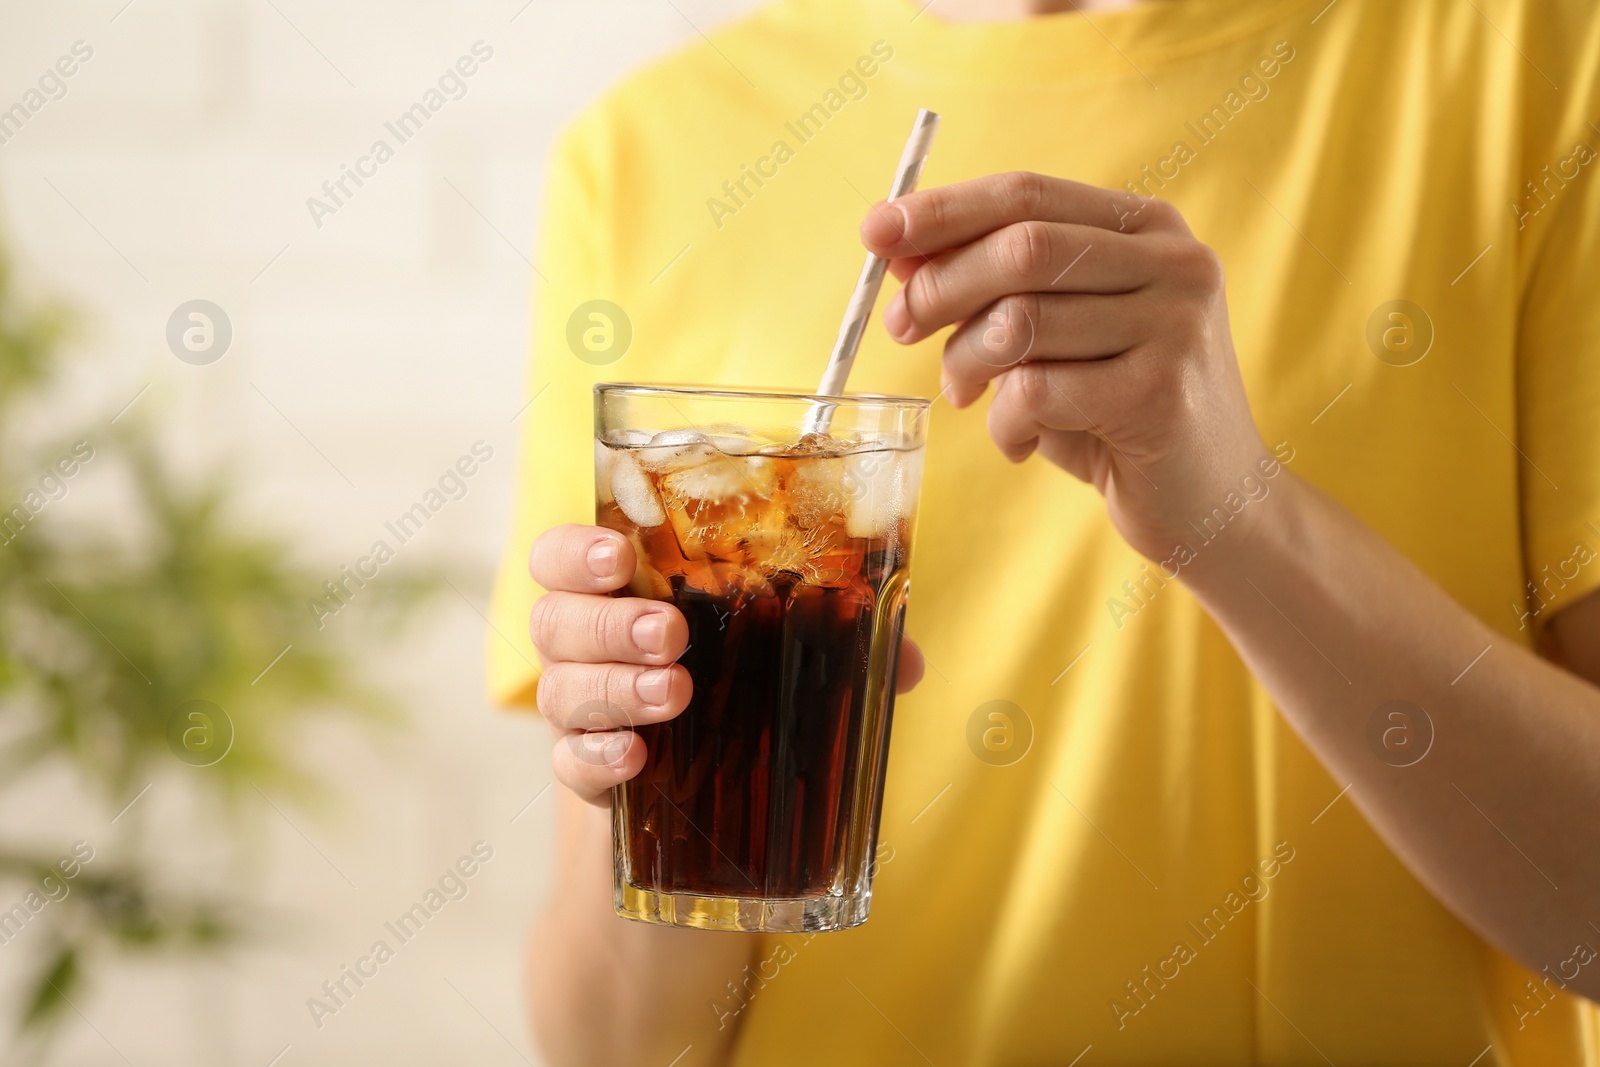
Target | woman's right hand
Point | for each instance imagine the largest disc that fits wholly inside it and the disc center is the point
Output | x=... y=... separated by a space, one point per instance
x=608 y=661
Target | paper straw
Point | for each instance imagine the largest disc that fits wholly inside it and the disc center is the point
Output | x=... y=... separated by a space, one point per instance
x=859 y=310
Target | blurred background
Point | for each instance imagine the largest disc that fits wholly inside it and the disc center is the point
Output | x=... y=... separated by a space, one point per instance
x=235 y=743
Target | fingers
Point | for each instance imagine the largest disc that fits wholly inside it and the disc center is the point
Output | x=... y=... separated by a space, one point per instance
x=590 y=764
x=608 y=696
x=912 y=666
x=932 y=220
x=1079 y=453
x=1037 y=397
x=904 y=268
x=581 y=559
x=1035 y=326
x=1027 y=257
x=596 y=629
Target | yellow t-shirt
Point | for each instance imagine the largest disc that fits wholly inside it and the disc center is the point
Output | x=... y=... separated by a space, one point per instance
x=1156 y=870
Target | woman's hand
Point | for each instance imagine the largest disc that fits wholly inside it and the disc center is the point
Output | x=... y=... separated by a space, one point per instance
x=608 y=661
x=1104 y=325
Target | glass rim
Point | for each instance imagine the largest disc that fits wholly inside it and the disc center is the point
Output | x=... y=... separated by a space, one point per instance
x=678 y=389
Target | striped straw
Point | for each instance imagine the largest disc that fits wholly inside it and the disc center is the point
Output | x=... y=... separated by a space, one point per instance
x=865 y=295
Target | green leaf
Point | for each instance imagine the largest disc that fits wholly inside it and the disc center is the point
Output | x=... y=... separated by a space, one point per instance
x=56 y=983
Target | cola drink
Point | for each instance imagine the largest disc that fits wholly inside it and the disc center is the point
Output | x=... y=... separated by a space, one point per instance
x=757 y=807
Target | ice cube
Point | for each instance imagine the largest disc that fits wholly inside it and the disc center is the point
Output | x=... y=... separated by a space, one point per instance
x=675 y=448
x=671 y=457
x=716 y=505
x=711 y=482
x=722 y=479
x=634 y=494
x=678 y=437
x=692 y=536
x=729 y=445
x=911 y=477
x=646 y=581
x=626 y=438
x=760 y=474
x=873 y=483
x=816 y=491
x=603 y=458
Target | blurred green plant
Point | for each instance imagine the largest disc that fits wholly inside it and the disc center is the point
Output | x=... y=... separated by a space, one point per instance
x=105 y=631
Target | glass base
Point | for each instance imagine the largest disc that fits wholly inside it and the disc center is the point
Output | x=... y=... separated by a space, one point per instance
x=751 y=915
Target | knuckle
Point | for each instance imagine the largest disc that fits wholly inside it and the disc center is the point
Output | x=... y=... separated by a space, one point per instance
x=538 y=553
x=1161 y=212
x=566 y=560
x=1197 y=328
x=606 y=626
x=1190 y=393
x=1032 y=387
x=1024 y=190
x=1156 y=369
x=936 y=205
x=571 y=697
x=923 y=293
x=1026 y=247
x=568 y=769
x=613 y=688
x=1021 y=311
x=1009 y=329
x=1183 y=328
x=558 y=763
x=1200 y=266
x=1164 y=384
x=541 y=621
x=558 y=558
x=547 y=695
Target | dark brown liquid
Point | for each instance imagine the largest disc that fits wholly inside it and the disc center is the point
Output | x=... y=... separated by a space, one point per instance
x=751 y=791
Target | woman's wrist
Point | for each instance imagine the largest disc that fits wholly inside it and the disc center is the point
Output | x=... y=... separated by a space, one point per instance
x=1262 y=536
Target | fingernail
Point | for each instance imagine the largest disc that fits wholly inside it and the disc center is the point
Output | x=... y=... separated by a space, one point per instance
x=650 y=633
x=885 y=225
x=896 y=317
x=653 y=686
x=603 y=558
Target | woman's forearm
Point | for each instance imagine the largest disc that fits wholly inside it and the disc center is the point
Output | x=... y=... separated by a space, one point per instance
x=1501 y=817
x=607 y=991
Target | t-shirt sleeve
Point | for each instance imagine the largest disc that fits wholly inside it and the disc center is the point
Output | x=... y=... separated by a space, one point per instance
x=1559 y=330
x=555 y=463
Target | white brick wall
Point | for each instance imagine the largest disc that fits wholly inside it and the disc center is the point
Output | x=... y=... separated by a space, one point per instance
x=392 y=337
